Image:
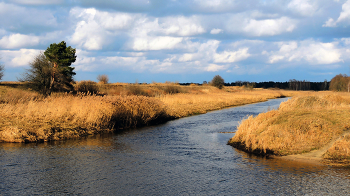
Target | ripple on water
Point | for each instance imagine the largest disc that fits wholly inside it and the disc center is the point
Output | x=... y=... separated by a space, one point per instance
x=187 y=156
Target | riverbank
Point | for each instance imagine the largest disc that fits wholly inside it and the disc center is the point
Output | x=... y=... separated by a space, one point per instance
x=26 y=116
x=313 y=127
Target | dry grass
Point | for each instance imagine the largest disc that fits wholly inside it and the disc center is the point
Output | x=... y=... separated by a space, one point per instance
x=64 y=117
x=204 y=99
x=300 y=125
x=340 y=151
x=26 y=116
x=11 y=95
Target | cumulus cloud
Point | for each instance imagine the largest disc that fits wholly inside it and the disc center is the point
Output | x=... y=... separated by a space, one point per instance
x=216 y=31
x=18 y=58
x=215 y=5
x=94 y=28
x=269 y=27
x=215 y=68
x=182 y=26
x=18 y=41
x=344 y=16
x=310 y=51
x=230 y=57
x=156 y=43
x=303 y=7
x=38 y=2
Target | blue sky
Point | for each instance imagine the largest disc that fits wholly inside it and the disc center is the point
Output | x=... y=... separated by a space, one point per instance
x=182 y=40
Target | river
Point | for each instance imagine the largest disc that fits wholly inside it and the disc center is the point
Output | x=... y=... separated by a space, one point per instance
x=188 y=156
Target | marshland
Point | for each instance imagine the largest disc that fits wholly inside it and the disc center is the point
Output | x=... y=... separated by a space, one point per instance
x=27 y=116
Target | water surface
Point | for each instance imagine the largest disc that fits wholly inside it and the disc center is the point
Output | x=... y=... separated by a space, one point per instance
x=188 y=156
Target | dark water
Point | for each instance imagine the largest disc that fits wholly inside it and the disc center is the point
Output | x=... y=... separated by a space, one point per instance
x=183 y=157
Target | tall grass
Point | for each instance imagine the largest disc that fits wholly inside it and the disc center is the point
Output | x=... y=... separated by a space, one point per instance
x=10 y=95
x=300 y=125
x=210 y=98
x=64 y=117
x=26 y=116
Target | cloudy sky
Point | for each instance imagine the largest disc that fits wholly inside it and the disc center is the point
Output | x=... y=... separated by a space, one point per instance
x=182 y=40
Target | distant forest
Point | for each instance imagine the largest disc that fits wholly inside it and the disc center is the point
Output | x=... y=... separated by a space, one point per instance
x=298 y=85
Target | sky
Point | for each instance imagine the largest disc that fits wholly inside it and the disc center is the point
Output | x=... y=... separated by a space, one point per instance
x=182 y=40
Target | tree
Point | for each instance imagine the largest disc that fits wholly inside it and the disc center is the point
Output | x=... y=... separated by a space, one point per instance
x=339 y=83
x=51 y=71
x=218 y=82
x=103 y=78
x=38 y=77
x=2 y=67
x=61 y=58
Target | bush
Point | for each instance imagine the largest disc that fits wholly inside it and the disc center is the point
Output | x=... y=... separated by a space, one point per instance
x=87 y=86
x=218 y=82
x=103 y=78
x=135 y=89
x=339 y=83
x=171 y=89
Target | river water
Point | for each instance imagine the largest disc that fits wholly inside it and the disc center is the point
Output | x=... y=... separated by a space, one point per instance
x=188 y=156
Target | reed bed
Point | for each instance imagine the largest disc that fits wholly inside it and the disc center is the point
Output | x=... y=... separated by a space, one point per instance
x=11 y=95
x=26 y=116
x=57 y=118
x=208 y=99
x=300 y=125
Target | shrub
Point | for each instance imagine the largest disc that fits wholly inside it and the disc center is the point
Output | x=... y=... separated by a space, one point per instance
x=171 y=89
x=87 y=86
x=103 y=78
x=339 y=83
x=135 y=89
x=218 y=82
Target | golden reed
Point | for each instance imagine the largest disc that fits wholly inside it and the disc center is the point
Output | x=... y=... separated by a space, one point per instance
x=301 y=124
x=26 y=116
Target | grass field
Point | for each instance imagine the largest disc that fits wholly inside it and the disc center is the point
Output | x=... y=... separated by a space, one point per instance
x=26 y=116
x=300 y=125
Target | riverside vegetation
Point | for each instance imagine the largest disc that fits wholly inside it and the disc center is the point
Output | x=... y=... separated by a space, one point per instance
x=316 y=124
x=26 y=116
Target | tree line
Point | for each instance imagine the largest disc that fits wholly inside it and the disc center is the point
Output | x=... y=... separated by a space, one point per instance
x=51 y=71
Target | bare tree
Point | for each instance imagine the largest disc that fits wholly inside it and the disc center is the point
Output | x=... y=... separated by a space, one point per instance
x=103 y=78
x=2 y=68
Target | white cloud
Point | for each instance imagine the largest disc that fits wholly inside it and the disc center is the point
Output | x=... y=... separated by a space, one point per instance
x=269 y=27
x=18 y=41
x=275 y=58
x=303 y=7
x=182 y=26
x=344 y=16
x=18 y=58
x=156 y=43
x=216 y=31
x=330 y=23
x=88 y=35
x=95 y=28
x=310 y=51
x=215 y=68
x=230 y=57
x=215 y=5
x=38 y=2
x=186 y=57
